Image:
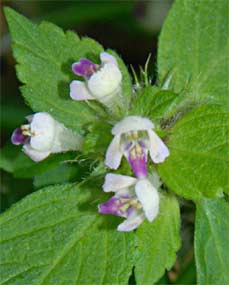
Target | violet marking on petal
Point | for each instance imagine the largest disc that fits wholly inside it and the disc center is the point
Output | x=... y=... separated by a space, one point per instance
x=118 y=206
x=137 y=158
x=18 y=137
x=84 y=68
x=139 y=165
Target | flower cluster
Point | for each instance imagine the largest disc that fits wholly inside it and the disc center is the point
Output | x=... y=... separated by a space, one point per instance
x=135 y=198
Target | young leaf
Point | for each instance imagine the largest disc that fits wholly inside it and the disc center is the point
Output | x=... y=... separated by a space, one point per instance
x=158 y=242
x=55 y=236
x=212 y=242
x=199 y=161
x=193 y=49
x=142 y=101
x=153 y=103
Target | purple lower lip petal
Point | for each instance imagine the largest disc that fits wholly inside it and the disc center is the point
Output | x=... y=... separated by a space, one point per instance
x=139 y=166
x=17 y=137
x=84 y=68
x=114 y=206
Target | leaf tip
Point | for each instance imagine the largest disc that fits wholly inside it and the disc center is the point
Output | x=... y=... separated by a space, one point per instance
x=8 y=11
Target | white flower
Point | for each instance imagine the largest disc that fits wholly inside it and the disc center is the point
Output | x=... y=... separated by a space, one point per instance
x=43 y=136
x=134 y=199
x=133 y=138
x=102 y=82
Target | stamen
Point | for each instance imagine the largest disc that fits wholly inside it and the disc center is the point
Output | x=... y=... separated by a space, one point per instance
x=25 y=127
x=135 y=203
x=27 y=133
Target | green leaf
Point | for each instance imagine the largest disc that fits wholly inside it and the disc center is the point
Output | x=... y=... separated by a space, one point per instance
x=12 y=190
x=188 y=274
x=44 y=54
x=14 y=160
x=154 y=103
x=199 y=161
x=12 y=114
x=63 y=173
x=158 y=242
x=194 y=50
x=143 y=100
x=161 y=104
x=12 y=157
x=97 y=140
x=212 y=242
x=55 y=236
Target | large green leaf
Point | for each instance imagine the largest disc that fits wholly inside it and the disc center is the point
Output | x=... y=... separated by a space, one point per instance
x=212 y=242
x=55 y=236
x=199 y=160
x=45 y=55
x=158 y=242
x=194 y=50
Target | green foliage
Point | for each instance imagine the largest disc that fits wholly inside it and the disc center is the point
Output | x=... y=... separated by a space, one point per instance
x=13 y=160
x=55 y=236
x=44 y=54
x=196 y=63
x=212 y=242
x=98 y=139
x=63 y=173
x=158 y=242
x=153 y=103
x=12 y=190
x=193 y=47
x=80 y=246
x=199 y=160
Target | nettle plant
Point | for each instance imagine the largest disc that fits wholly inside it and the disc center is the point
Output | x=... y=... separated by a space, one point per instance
x=153 y=146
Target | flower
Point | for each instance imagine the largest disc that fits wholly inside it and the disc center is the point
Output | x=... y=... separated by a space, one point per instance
x=133 y=138
x=44 y=135
x=134 y=199
x=102 y=82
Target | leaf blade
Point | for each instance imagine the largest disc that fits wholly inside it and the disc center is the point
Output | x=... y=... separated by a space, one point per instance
x=44 y=55
x=211 y=241
x=197 y=60
x=198 y=163
x=53 y=231
x=158 y=242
